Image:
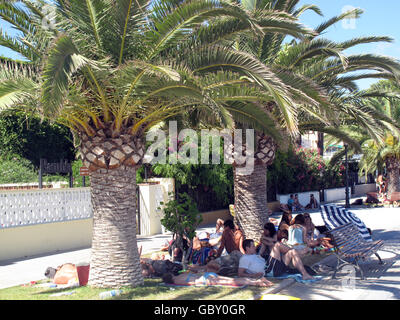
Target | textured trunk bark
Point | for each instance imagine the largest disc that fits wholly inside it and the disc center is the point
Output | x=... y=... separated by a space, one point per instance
x=393 y=168
x=251 y=212
x=115 y=260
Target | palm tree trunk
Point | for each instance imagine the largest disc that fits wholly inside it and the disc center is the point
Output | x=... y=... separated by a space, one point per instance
x=251 y=212
x=115 y=260
x=320 y=143
x=393 y=172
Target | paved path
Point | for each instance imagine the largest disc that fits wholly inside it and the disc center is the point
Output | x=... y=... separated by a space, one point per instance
x=382 y=281
x=20 y=271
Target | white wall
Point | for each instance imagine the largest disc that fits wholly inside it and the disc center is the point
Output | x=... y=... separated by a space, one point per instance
x=362 y=189
x=151 y=195
x=336 y=194
x=330 y=194
x=42 y=221
x=45 y=238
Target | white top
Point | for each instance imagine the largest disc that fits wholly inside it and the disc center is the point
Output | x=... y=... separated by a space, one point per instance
x=252 y=263
x=296 y=238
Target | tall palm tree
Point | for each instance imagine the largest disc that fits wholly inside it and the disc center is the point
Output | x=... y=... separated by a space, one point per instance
x=112 y=69
x=382 y=151
x=315 y=68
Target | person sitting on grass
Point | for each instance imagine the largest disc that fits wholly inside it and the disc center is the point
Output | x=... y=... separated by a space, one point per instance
x=279 y=260
x=298 y=239
x=232 y=239
x=212 y=279
x=268 y=239
x=251 y=265
x=286 y=221
x=310 y=227
x=201 y=254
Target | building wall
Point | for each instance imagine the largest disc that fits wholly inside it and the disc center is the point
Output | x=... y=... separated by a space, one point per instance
x=310 y=140
x=45 y=238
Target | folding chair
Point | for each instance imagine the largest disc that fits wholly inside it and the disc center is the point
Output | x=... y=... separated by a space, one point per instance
x=335 y=216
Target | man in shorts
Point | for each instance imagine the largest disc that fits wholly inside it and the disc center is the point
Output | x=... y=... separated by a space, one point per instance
x=279 y=259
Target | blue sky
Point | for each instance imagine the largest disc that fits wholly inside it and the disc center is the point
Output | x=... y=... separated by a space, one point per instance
x=380 y=18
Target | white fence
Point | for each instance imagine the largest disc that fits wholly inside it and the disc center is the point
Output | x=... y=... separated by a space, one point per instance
x=24 y=208
x=34 y=222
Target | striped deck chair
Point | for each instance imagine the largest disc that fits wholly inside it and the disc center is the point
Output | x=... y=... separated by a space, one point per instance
x=335 y=216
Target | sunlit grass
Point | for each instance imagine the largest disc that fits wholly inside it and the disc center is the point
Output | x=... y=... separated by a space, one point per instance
x=153 y=289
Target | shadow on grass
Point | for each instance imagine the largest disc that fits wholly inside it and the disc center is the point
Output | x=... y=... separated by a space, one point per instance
x=154 y=289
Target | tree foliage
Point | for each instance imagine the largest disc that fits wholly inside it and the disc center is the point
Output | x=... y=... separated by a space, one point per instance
x=301 y=170
x=29 y=137
x=181 y=217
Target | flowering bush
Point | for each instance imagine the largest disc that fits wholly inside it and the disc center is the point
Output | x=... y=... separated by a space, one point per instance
x=302 y=170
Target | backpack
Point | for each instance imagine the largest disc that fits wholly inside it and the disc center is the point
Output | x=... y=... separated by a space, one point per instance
x=165 y=266
x=228 y=271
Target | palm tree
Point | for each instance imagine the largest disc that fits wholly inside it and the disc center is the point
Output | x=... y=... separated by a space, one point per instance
x=315 y=72
x=385 y=152
x=112 y=69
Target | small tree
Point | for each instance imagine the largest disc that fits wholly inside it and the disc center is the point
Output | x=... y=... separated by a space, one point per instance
x=181 y=217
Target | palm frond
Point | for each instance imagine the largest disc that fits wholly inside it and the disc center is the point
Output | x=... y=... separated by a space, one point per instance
x=351 y=14
x=63 y=61
x=16 y=92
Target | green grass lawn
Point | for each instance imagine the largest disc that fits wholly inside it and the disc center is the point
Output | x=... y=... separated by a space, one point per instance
x=153 y=289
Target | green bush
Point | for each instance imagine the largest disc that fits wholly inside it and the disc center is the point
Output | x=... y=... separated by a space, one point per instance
x=14 y=169
x=181 y=217
x=302 y=170
x=211 y=186
x=32 y=139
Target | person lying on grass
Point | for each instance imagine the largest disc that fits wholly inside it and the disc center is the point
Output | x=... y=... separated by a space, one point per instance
x=212 y=279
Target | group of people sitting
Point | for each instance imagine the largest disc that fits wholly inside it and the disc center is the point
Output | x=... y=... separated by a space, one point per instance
x=226 y=258
x=293 y=204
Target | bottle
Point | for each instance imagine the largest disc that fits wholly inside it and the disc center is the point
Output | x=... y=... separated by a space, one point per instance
x=108 y=294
